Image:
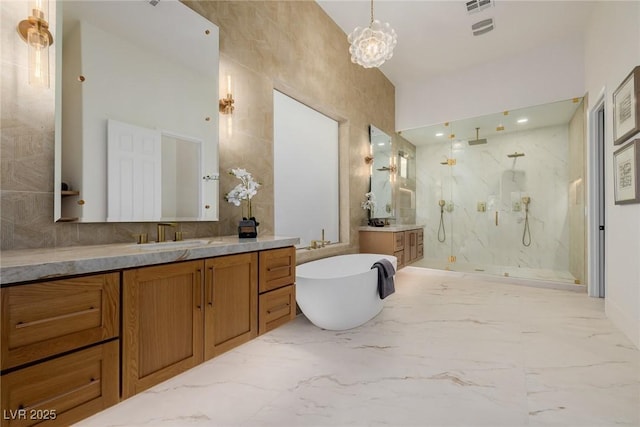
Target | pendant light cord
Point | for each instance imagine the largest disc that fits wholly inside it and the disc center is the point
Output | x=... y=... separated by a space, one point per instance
x=371 y=13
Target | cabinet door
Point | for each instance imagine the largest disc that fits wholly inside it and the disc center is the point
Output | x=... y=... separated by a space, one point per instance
x=411 y=246
x=162 y=323
x=48 y=318
x=63 y=390
x=231 y=302
x=398 y=241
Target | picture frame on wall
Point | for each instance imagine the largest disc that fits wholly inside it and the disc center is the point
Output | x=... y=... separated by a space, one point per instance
x=626 y=108
x=626 y=167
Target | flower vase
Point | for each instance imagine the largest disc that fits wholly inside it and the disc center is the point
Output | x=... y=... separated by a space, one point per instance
x=248 y=227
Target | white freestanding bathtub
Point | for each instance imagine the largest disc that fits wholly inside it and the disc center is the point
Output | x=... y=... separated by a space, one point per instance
x=340 y=292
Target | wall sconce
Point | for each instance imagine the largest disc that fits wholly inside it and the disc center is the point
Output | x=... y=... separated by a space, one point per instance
x=226 y=104
x=35 y=31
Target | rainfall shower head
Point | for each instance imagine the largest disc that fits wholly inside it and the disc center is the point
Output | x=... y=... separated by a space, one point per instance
x=477 y=141
x=514 y=155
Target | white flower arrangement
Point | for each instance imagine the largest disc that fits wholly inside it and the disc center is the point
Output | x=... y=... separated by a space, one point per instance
x=370 y=202
x=244 y=191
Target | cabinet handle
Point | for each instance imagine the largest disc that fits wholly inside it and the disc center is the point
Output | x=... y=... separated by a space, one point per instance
x=199 y=293
x=46 y=402
x=210 y=288
x=281 y=306
x=278 y=268
x=21 y=325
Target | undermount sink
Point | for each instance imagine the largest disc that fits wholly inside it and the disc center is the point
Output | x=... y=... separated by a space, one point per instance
x=171 y=244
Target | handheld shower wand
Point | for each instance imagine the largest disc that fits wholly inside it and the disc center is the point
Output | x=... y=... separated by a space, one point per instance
x=526 y=235
x=442 y=234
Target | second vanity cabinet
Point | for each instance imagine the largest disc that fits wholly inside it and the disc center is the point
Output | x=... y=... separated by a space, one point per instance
x=406 y=243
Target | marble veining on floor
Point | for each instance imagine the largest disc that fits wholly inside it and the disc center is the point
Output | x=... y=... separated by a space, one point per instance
x=447 y=350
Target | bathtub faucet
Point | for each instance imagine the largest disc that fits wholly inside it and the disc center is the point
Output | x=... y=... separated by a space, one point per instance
x=317 y=244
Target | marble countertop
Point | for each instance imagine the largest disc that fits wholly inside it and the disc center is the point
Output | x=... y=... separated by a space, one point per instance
x=36 y=264
x=392 y=228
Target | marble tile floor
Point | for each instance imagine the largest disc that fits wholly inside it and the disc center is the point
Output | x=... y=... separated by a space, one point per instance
x=542 y=274
x=447 y=350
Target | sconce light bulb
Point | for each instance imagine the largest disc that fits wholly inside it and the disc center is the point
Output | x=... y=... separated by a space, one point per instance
x=38 y=46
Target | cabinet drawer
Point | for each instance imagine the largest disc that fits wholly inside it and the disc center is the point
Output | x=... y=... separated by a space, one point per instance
x=277 y=268
x=420 y=236
x=276 y=308
x=48 y=318
x=420 y=251
x=68 y=388
x=398 y=239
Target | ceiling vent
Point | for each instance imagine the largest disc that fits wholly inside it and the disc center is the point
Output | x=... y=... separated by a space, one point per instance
x=482 y=27
x=475 y=6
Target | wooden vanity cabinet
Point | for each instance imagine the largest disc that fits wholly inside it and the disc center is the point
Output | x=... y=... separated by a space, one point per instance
x=162 y=323
x=277 y=303
x=231 y=302
x=407 y=246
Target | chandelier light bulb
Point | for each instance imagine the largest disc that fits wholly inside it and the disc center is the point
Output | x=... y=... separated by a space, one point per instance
x=373 y=45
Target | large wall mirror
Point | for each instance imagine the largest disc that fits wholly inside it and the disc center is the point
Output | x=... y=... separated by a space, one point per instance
x=136 y=112
x=383 y=168
x=306 y=164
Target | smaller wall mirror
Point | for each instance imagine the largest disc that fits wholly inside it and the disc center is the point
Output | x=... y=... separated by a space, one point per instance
x=382 y=173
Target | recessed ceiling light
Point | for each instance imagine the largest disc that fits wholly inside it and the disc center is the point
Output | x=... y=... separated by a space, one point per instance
x=523 y=120
x=439 y=134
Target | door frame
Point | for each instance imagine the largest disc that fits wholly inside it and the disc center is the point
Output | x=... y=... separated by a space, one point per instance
x=596 y=168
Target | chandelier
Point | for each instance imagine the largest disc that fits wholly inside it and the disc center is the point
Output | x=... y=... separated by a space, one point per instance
x=373 y=45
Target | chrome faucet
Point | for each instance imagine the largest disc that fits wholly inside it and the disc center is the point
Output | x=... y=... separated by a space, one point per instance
x=161 y=230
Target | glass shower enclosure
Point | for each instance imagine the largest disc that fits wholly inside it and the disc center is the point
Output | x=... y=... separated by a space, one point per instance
x=503 y=194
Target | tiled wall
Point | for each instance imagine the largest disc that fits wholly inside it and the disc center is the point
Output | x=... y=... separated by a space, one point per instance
x=292 y=46
x=484 y=174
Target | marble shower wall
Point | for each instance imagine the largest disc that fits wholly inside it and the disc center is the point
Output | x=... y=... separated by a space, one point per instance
x=292 y=46
x=484 y=174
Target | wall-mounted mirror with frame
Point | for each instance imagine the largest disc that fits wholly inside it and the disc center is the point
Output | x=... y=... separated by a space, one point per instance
x=136 y=112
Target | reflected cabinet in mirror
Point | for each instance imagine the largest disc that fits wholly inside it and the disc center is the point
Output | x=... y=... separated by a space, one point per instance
x=136 y=112
x=382 y=171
